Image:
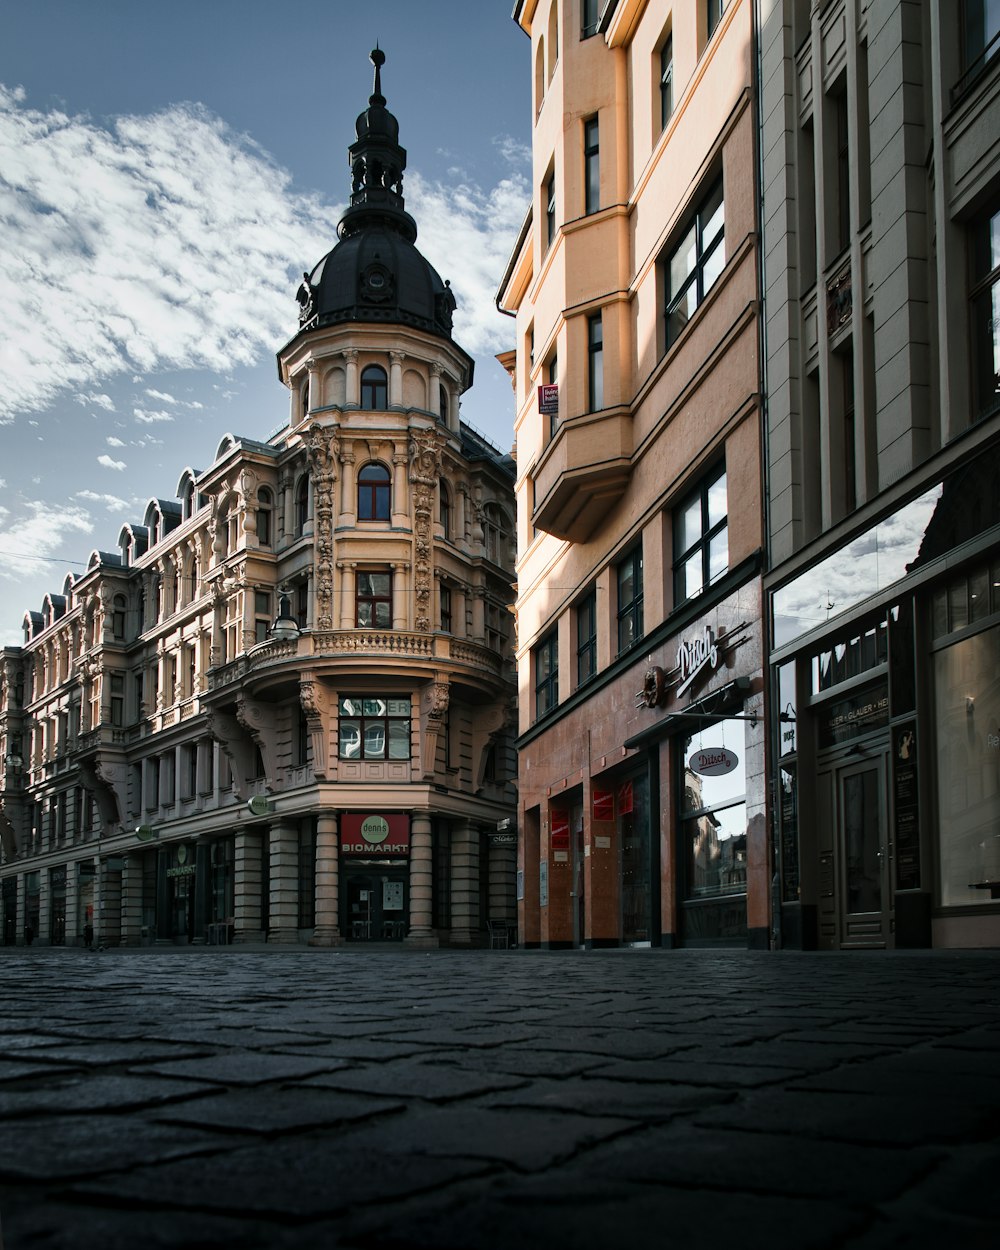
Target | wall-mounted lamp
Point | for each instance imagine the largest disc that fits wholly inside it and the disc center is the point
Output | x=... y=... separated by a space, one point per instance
x=970 y=705
x=285 y=625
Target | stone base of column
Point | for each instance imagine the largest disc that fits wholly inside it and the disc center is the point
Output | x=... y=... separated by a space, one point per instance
x=283 y=937
x=422 y=941
x=242 y=936
x=326 y=937
x=460 y=937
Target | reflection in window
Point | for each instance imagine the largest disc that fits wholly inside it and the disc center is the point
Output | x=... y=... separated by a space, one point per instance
x=693 y=266
x=982 y=32
x=714 y=841
x=374 y=389
x=375 y=729
x=586 y=638
x=986 y=312
x=546 y=674
x=374 y=600
x=701 y=537
x=374 y=483
x=630 y=594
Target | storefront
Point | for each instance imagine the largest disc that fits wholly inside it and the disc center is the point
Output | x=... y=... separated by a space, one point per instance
x=886 y=737
x=375 y=851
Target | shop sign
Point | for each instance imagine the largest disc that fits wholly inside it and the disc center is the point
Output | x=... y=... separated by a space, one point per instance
x=374 y=835
x=260 y=805
x=713 y=762
x=695 y=655
x=603 y=804
x=548 y=399
x=182 y=870
x=503 y=839
x=861 y=713
x=559 y=836
x=145 y=833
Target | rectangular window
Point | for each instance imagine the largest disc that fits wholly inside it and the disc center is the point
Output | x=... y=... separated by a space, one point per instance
x=986 y=313
x=302 y=604
x=694 y=264
x=496 y=635
x=666 y=81
x=190 y=776
x=629 y=576
x=546 y=674
x=374 y=601
x=595 y=363
x=550 y=209
x=701 y=537
x=714 y=12
x=586 y=637
x=262 y=614
x=843 y=172
x=374 y=729
x=117 y=699
x=982 y=32
x=591 y=166
x=445 y=610
x=590 y=14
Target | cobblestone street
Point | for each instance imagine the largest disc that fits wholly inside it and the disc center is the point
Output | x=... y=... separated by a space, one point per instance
x=458 y=1100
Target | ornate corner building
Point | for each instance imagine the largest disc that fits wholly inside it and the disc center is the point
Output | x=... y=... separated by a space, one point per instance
x=640 y=551
x=283 y=708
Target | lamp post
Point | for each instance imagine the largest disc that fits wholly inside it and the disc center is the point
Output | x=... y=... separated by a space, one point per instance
x=285 y=626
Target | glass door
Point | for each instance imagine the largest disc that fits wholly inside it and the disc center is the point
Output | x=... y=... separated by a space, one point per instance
x=864 y=854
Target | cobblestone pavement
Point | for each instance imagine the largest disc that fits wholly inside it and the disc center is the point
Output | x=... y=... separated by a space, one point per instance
x=494 y=1099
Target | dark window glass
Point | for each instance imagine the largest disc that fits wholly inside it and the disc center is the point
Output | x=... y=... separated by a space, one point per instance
x=701 y=537
x=592 y=166
x=264 y=517
x=550 y=210
x=586 y=638
x=301 y=505
x=629 y=573
x=374 y=482
x=444 y=506
x=715 y=10
x=546 y=674
x=695 y=263
x=595 y=363
x=982 y=31
x=985 y=313
x=374 y=389
x=374 y=601
x=445 y=610
x=553 y=377
x=589 y=13
x=666 y=80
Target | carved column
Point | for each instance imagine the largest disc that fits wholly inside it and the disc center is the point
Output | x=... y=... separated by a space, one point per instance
x=464 y=883
x=478 y=613
x=315 y=384
x=348 y=490
x=459 y=621
x=247 y=886
x=347 y=591
x=283 y=918
x=421 y=877
x=352 y=391
x=396 y=379
x=400 y=596
x=327 y=930
x=435 y=395
x=400 y=493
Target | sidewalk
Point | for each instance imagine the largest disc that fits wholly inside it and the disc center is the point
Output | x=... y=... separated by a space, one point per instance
x=227 y=1097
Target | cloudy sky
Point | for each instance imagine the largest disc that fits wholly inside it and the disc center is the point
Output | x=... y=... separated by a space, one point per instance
x=167 y=172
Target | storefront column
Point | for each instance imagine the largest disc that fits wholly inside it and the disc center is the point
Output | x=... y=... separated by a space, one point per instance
x=22 y=906
x=284 y=884
x=162 y=895
x=464 y=883
x=44 y=908
x=202 y=891
x=131 y=902
x=108 y=930
x=74 y=925
x=502 y=870
x=327 y=930
x=421 y=877
x=246 y=886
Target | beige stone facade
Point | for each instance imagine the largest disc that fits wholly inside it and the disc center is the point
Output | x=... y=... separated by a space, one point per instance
x=282 y=708
x=640 y=537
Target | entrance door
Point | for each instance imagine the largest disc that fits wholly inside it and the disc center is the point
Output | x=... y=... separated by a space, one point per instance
x=864 y=852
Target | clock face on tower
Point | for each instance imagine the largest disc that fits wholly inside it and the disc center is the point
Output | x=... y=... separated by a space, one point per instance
x=376 y=284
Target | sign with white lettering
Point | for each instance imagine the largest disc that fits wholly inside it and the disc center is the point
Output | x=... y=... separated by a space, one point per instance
x=695 y=654
x=374 y=835
x=713 y=762
x=548 y=400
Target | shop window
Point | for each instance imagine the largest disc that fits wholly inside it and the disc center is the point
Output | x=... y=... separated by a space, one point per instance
x=858 y=653
x=701 y=537
x=546 y=674
x=666 y=81
x=591 y=166
x=374 y=729
x=629 y=580
x=373 y=600
x=985 y=313
x=586 y=637
x=595 y=363
x=374 y=389
x=374 y=490
x=693 y=265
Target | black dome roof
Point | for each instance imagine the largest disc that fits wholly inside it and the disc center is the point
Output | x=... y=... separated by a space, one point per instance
x=375 y=273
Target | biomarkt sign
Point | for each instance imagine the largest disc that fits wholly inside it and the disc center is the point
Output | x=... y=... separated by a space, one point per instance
x=366 y=834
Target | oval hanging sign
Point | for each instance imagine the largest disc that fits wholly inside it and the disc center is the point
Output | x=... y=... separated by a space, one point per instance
x=713 y=762
x=260 y=805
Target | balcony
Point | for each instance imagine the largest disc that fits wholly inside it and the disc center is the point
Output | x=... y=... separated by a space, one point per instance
x=582 y=473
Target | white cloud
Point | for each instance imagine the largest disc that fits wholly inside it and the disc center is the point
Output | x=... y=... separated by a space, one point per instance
x=3 y=482
x=36 y=536
x=170 y=241
x=148 y=418
x=99 y=400
x=112 y=502
x=111 y=464
x=114 y=442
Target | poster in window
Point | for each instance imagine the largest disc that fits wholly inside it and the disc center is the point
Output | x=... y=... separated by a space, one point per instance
x=905 y=803
x=392 y=896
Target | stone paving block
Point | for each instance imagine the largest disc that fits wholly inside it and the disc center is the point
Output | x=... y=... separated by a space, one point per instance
x=637 y=1044
x=245 y=1068
x=894 y=1077
x=275 y=1111
x=101 y=1091
x=356 y=1049
x=22 y=1069
x=434 y=1082
x=305 y=1177
x=100 y=1054
x=592 y=1095
x=50 y=1148
x=798 y=1055
x=523 y=1060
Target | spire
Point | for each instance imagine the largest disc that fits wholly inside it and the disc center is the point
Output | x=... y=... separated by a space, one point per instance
x=377 y=164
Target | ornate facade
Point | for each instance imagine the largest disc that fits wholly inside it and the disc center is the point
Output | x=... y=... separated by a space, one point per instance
x=283 y=708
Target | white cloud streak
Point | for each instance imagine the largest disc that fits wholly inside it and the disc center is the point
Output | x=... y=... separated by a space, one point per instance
x=170 y=241
x=108 y=463
x=37 y=534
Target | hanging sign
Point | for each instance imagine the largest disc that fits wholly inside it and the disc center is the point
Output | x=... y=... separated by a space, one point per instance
x=548 y=399
x=259 y=805
x=713 y=762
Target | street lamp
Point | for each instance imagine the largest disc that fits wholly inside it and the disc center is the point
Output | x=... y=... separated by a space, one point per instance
x=285 y=626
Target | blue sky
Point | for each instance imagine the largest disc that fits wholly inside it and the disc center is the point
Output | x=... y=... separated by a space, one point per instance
x=167 y=171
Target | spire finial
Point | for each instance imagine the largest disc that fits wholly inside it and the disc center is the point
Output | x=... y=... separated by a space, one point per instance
x=377 y=58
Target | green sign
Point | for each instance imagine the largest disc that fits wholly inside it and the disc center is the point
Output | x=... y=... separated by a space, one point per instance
x=145 y=833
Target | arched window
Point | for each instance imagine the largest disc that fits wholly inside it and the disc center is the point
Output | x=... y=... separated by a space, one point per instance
x=301 y=505
x=189 y=506
x=374 y=389
x=373 y=493
x=264 y=507
x=444 y=508
x=443 y=403
x=305 y=398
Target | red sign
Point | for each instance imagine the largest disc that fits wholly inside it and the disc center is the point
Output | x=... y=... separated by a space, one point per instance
x=559 y=838
x=604 y=804
x=364 y=833
x=625 y=800
x=548 y=399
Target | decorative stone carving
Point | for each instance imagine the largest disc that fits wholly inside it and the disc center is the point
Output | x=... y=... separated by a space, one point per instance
x=323 y=449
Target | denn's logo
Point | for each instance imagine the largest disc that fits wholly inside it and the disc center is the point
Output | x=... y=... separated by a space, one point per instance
x=375 y=829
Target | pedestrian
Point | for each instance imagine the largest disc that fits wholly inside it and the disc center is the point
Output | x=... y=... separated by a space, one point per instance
x=88 y=936
x=29 y=934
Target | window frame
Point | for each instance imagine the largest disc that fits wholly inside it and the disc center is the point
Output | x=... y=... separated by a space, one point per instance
x=374 y=386
x=586 y=637
x=591 y=165
x=374 y=495
x=595 y=362
x=372 y=597
x=709 y=532
x=984 y=305
x=705 y=248
x=549 y=190
x=590 y=18
x=666 y=80
x=546 y=656
x=714 y=13
x=364 y=721
x=629 y=613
